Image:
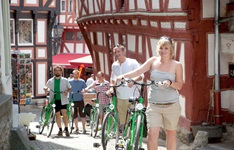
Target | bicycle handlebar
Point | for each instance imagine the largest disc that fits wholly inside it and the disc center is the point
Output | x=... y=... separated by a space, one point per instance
x=152 y=82
x=50 y=90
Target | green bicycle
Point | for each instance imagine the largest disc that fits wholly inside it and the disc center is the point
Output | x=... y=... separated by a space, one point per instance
x=70 y=112
x=110 y=126
x=135 y=129
x=94 y=117
x=47 y=117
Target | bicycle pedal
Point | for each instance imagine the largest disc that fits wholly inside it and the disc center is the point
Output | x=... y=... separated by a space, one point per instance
x=96 y=145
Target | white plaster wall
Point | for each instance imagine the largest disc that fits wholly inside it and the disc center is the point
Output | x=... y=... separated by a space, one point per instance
x=106 y=65
x=116 y=38
x=41 y=78
x=155 y=4
x=14 y=1
x=91 y=9
x=86 y=49
x=131 y=4
x=141 y=4
x=40 y=31
x=140 y=44
x=227 y=100
x=208 y=8
x=31 y=1
x=62 y=18
x=91 y=37
x=96 y=6
x=41 y=52
x=182 y=59
x=113 y=5
x=154 y=43
x=70 y=46
x=226 y=53
x=131 y=42
x=183 y=105
x=101 y=59
x=107 y=5
x=99 y=38
x=174 y=4
x=79 y=48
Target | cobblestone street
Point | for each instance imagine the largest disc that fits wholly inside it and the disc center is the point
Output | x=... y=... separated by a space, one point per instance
x=74 y=142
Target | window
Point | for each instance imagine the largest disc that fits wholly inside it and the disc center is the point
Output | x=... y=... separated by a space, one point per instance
x=12 y=31
x=70 y=35
x=25 y=35
x=70 y=6
x=79 y=36
x=63 y=6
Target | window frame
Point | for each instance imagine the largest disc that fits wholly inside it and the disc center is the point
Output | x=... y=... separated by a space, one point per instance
x=18 y=35
x=61 y=6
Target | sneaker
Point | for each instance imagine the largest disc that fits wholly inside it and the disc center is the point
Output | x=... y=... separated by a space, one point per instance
x=67 y=134
x=76 y=131
x=60 y=133
x=84 y=131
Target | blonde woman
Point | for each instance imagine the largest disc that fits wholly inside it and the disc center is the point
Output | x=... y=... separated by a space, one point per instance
x=163 y=102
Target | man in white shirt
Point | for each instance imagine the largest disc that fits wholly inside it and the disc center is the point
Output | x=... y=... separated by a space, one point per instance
x=121 y=66
x=89 y=82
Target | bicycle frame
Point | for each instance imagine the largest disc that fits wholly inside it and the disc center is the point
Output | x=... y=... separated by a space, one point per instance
x=111 y=120
x=129 y=141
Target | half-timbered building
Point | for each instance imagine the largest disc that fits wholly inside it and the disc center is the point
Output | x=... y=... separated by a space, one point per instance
x=73 y=48
x=31 y=23
x=138 y=24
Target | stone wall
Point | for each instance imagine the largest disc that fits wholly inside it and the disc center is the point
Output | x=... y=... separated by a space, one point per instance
x=5 y=121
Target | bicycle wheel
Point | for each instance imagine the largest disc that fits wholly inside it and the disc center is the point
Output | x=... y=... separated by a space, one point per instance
x=42 y=120
x=137 y=145
x=94 y=122
x=71 y=118
x=51 y=122
x=110 y=131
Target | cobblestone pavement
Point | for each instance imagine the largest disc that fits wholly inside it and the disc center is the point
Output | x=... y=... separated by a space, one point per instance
x=74 y=142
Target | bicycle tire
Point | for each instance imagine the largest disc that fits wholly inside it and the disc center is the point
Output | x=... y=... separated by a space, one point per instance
x=95 y=123
x=110 y=129
x=42 y=120
x=137 y=135
x=51 y=122
x=71 y=119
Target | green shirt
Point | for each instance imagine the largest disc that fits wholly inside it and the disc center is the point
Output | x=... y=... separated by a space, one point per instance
x=57 y=89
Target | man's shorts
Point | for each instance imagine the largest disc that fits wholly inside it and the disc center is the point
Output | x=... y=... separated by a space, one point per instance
x=165 y=116
x=59 y=106
x=122 y=106
x=79 y=106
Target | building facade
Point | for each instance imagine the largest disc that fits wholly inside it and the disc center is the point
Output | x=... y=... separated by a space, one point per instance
x=72 y=45
x=31 y=23
x=138 y=24
x=5 y=77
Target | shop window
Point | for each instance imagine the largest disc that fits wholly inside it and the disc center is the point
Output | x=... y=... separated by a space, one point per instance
x=25 y=35
x=70 y=36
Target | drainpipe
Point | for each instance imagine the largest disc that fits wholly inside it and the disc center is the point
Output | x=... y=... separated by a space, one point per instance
x=217 y=97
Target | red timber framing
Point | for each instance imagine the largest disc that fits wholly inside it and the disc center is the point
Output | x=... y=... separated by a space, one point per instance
x=138 y=24
x=32 y=23
x=72 y=39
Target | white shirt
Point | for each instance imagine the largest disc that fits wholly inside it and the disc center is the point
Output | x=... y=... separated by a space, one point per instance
x=124 y=92
x=89 y=81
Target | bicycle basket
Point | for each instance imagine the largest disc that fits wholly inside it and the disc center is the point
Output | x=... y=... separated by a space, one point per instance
x=87 y=109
